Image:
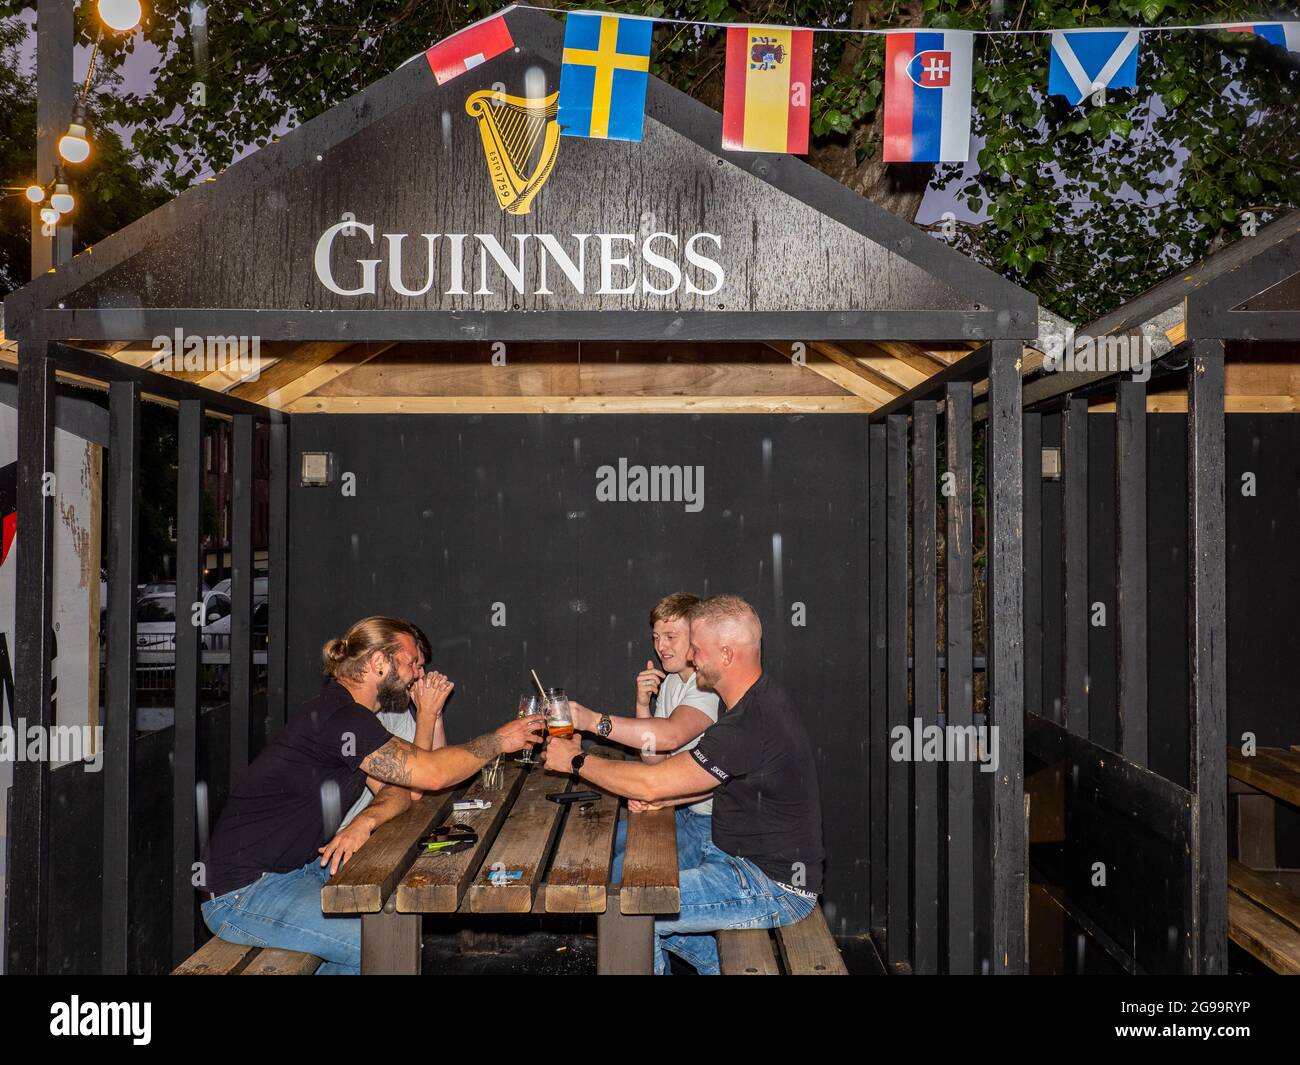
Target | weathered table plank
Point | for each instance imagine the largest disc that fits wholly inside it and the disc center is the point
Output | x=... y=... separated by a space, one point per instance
x=1273 y=770
x=217 y=957
x=363 y=885
x=272 y=962
x=746 y=952
x=579 y=878
x=522 y=846
x=436 y=883
x=650 y=864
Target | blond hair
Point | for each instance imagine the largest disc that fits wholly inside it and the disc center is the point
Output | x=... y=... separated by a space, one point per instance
x=347 y=656
x=735 y=620
x=672 y=607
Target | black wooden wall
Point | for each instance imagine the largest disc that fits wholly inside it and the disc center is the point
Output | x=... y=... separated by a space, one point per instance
x=452 y=515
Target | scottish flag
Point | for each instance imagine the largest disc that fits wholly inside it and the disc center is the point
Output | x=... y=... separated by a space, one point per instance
x=603 y=77
x=1084 y=61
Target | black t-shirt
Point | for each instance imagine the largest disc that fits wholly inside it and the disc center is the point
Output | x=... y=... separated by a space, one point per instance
x=289 y=802
x=768 y=807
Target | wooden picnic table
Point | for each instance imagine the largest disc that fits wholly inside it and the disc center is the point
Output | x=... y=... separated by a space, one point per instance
x=562 y=855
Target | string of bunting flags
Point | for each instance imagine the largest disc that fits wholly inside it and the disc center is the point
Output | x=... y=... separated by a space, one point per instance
x=767 y=98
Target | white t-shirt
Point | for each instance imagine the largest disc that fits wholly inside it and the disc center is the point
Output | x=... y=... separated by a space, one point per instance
x=675 y=692
x=401 y=725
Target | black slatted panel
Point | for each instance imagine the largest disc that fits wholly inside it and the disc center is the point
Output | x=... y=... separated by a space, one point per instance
x=878 y=667
x=1074 y=550
x=1207 y=631
x=28 y=887
x=1033 y=487
x=241 y=593
x=278 y=581
x=925 y=688
x=189 y=519
x=1131 y=578
x=1005 y=659
x=900 y=804
x=119 y=715
x=959 y=581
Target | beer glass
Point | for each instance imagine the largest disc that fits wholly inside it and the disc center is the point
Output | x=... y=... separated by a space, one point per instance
x=528 y=706
x=559 y=718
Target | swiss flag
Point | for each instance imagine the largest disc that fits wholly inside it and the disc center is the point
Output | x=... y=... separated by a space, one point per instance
x=468 y=48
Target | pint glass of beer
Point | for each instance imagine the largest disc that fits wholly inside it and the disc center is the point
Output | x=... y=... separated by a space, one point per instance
x=559 y=719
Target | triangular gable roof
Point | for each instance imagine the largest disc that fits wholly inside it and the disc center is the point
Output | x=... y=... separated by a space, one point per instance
x=1256 y=296
x=800 y=255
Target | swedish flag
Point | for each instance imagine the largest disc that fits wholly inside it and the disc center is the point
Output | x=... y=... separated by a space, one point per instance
x=603 y=77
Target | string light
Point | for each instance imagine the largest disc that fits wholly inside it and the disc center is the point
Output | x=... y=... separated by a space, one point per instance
x=120 y=15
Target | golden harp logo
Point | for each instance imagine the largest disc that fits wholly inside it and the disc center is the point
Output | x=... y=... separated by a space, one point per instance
x=520 y=139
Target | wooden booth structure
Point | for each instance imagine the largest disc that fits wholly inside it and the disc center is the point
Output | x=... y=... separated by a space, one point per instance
x=423 y=262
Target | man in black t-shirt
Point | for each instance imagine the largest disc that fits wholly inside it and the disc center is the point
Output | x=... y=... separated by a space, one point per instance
x=272 y=851
x=763 y=868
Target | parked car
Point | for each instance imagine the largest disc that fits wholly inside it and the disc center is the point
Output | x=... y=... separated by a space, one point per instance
x=155 y=626
x=260 y=588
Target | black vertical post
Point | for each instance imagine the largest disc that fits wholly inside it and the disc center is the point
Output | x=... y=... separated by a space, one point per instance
x=1033 y=488
x=241 y=593
x=189 y=517
x=1131 y=575
x=900 y=851
x=119 y=723
x=925 y=689
x=959 y=578
x=878 y=668
x=1074 y=552
x=1207 y=630
x=1006 y=654
x=277 y=628
x=55 y=85
x=27 y=905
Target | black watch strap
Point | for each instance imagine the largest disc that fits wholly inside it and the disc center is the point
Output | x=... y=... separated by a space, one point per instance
x=578 y=760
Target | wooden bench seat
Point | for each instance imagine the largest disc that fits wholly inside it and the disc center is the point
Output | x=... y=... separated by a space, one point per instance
x=1264 y=918
x=217 y=957
x=806 y=947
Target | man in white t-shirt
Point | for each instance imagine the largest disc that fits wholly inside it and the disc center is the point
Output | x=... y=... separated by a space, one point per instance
x=681 y=714
x=420 y=723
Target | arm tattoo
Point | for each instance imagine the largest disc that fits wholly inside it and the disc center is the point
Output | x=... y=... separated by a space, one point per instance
x=485 y=747
x=392 y=762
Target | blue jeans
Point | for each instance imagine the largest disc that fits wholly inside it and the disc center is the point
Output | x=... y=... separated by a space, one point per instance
x=693 y=831
x=722 y=891
x=283 y=910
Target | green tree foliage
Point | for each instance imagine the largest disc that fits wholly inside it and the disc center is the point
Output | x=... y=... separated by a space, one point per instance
x=1085 y=205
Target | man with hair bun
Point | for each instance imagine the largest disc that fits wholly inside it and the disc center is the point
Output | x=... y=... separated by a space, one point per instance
x=275 y=844
x=763 y=866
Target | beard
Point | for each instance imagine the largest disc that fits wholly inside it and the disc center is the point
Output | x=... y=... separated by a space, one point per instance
x=394 y=697
x=705 y=680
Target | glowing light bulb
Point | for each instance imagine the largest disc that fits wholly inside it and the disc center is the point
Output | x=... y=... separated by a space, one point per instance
x=35 y=193
x=49 y=216
x=73 y=145
x=121 y=15
x=62 y=200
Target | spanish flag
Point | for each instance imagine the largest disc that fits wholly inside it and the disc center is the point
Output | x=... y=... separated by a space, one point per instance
x=769 y=89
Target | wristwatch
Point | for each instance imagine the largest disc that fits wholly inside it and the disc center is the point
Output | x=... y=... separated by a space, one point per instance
x=576 y=764
x=605 y=727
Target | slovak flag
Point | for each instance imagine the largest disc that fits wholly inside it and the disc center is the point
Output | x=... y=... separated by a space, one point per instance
x=1283 y=34
x=927 y=96
x=467 y=49
x=1084 y=61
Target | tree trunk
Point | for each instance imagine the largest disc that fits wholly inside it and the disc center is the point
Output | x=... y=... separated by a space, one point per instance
x=897 y=187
